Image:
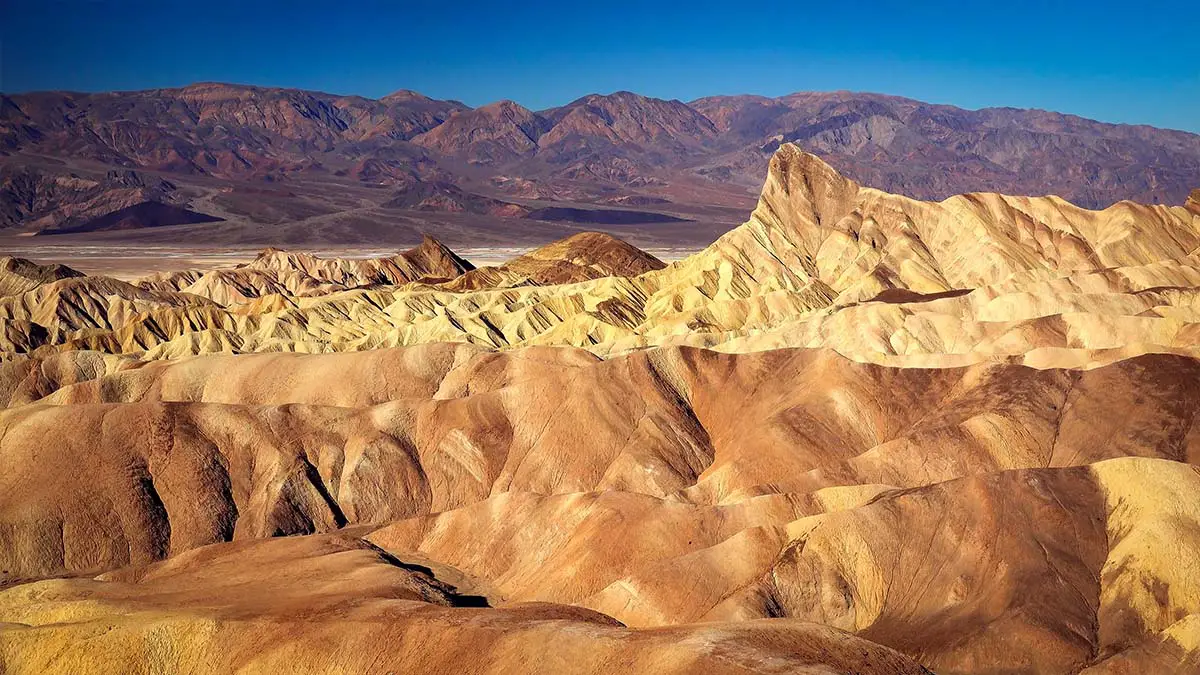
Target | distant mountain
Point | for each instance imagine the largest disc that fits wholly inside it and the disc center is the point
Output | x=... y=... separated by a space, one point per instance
x=56 y=146
x=136 y=217
x=493 y=134
x=933 y=151
x=616 y=138
x=218 y=129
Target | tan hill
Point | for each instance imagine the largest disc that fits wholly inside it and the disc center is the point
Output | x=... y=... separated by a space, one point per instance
x=283 y=274
x=215 y=609
x=580 y=257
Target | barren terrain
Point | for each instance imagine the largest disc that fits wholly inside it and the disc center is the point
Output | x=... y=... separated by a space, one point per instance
x=859 y=432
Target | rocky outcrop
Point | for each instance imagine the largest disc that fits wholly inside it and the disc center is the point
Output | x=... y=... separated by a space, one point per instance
x=18 y=275
x=284 y=274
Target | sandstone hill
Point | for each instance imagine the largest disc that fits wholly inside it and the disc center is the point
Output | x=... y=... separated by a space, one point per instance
x=580 y=257
x=859 y=433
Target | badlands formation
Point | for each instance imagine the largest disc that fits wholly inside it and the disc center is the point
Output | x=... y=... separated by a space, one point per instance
x=858 y=434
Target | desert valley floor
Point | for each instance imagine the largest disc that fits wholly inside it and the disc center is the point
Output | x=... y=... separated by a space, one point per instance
x=859 y=433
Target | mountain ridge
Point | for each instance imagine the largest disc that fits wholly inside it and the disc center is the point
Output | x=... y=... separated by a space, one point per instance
x=712 y=150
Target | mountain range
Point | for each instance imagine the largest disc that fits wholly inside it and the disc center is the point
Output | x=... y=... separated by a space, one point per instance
x=291 y=164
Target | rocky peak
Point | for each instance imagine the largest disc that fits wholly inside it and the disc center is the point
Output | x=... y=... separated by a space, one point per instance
x=436 y=259
x=600 y=251
x=492 y=133
x=405 y=95
x=801 y=184
x=629 y=118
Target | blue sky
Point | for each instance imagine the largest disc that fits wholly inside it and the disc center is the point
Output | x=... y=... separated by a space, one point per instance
x=1113 y=61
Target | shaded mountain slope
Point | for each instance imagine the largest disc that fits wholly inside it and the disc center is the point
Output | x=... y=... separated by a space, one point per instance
x=136 y=217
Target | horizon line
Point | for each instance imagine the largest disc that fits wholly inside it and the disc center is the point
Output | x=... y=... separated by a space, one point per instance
x=579 y=98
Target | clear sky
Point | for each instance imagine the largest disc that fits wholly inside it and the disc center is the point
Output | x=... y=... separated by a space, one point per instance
x=1135 y=62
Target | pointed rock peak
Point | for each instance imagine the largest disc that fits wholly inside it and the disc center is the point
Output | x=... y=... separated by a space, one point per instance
x=790 y=162
x=1193 y=202
x=802 y=174
x=506 y=110
x=436 y=257
x=802 y=193
x=505 y=104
